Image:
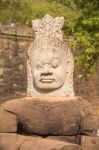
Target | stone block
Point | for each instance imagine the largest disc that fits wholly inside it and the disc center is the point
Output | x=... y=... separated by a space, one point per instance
x=8 y=141
x=47 y=144
x=49 y=115
x=7 y=121
x=5 y=44
x=19 y=142
x=90 y=123
x=69 y=139
x=90 y=143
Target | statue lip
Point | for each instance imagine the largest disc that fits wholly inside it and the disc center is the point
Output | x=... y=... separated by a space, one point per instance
x=47 y=80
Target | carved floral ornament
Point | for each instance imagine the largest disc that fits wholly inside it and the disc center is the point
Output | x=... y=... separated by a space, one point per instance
x=47 y=49
x=48 y=26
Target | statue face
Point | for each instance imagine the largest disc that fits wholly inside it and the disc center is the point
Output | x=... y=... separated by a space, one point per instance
x=49 y=70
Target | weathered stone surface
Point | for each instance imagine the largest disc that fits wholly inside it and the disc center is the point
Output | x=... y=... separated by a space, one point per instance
x=19 y=142
x=90 y=143
x=45 y=144
x=8 y=121
x=13 y=52
x=70 y=139
x=50 y=62
x=51 y=115
x=90 y=123
x=8 y=141
x=37 y=142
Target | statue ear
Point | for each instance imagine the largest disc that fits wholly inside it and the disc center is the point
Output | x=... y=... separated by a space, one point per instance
x=35 y=24
x=60 y=21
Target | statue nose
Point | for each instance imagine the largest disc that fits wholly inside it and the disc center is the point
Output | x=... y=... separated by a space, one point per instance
x=46 y=69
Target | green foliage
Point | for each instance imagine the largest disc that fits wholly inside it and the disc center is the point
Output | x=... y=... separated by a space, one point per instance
x=81 y=22
x=87 y=36
x=24 y=11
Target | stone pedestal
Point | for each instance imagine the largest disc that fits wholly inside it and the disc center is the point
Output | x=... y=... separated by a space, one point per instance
x=48 y=116
x=57 y=120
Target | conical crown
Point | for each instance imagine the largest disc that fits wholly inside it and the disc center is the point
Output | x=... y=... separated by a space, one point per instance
x=48 y=35
x=48 y=27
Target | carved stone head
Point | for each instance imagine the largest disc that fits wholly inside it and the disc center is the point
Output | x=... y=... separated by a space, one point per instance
x=50 y=62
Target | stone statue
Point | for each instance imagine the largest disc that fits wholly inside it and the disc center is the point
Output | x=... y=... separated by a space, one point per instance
x=50 y=117
x=50 y=63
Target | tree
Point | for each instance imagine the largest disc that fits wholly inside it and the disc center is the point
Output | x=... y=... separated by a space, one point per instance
x=86 y=35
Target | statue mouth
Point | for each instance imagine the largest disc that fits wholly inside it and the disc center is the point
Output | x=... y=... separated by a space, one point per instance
x=47 y=80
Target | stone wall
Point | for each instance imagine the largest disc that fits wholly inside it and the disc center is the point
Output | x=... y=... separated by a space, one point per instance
x=14 y=42
x=88 y=87
x=13 y=55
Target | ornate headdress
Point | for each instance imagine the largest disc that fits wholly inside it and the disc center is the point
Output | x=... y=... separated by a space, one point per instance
x=48 y=34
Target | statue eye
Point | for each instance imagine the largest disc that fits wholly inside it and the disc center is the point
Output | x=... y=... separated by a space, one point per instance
x=39 y=66
x=55 y=63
